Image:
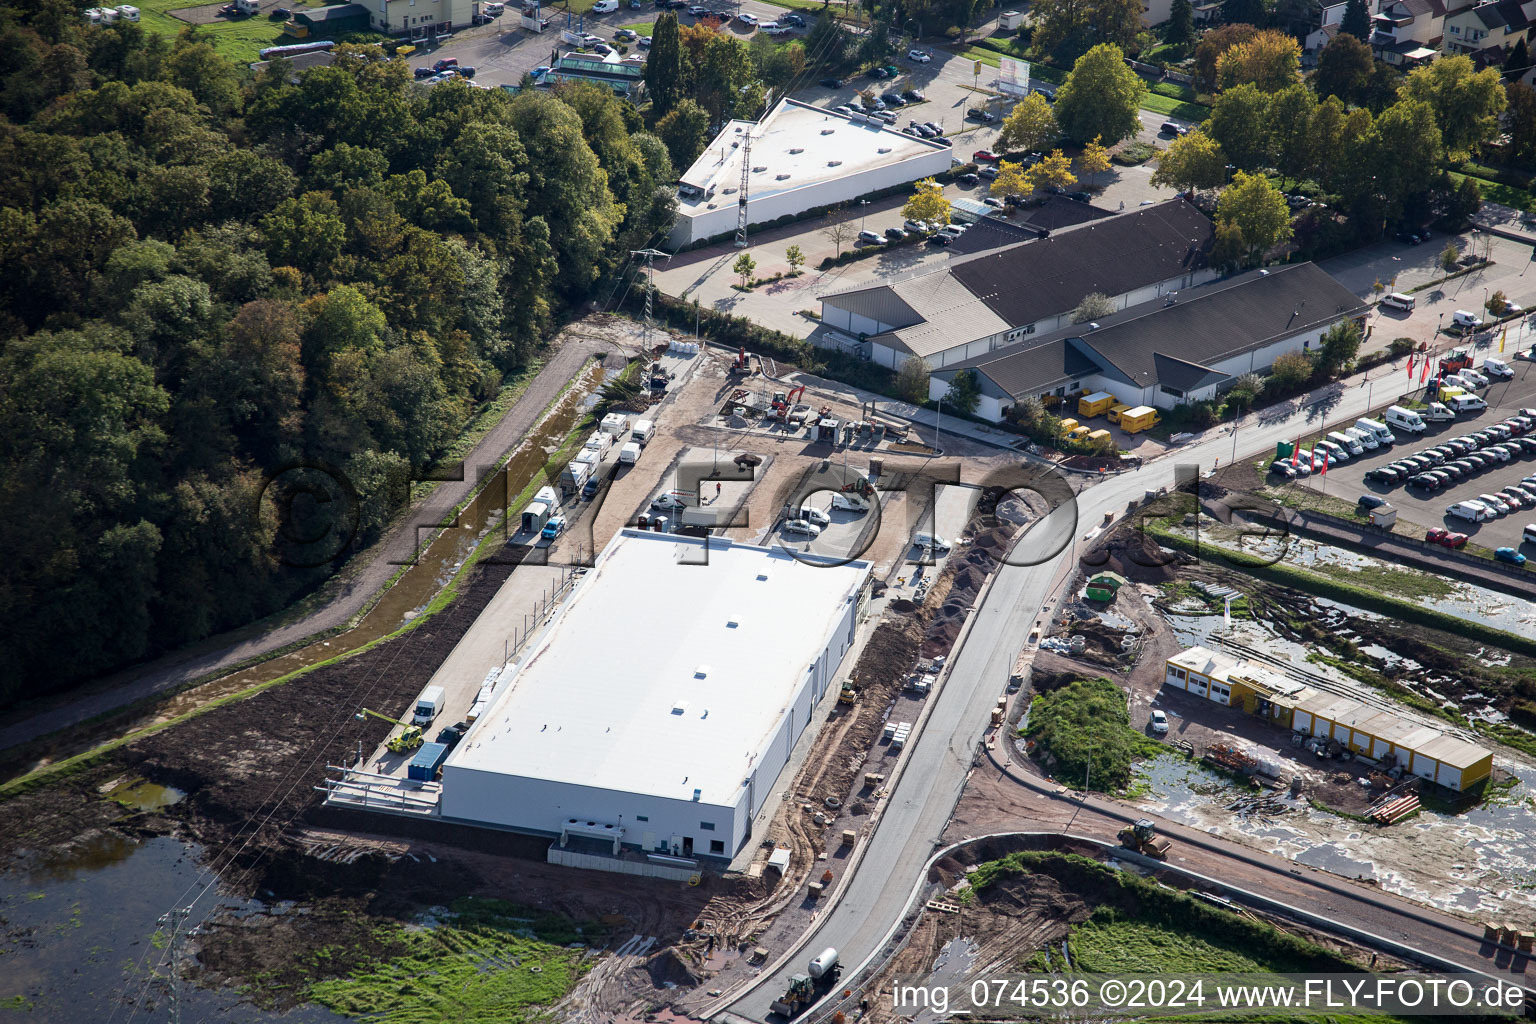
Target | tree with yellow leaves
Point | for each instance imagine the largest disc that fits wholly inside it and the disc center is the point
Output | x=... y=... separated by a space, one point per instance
x=927 y=203
x=1054 y=170
x=1013 y=179
x=1094 y=159
x=1270 y=60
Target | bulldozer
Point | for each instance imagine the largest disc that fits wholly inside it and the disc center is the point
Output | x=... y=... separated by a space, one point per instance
x=801 y=993
x=1143 y=838
x=405 y=742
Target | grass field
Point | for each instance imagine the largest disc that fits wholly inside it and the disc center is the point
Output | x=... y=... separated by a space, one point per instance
x=1086 y=727
x=481 y=964
x=1507 y=195
x=990 y=52
x=238 y=40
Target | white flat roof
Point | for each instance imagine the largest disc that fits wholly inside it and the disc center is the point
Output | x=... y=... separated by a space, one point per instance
x=662 y=678
x=795 y=145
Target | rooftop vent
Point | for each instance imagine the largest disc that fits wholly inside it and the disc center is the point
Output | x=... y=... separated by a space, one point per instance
x=701 y=672
x=759 y=169
x=834 y=163
x=797 y=149
x=1093 y=327
x=780 y=177
x=679 y=707
x=762 y=574
x=732 y=621
x=697 y=794
x=828 y=131
x=883 y=149
x=1263 y=273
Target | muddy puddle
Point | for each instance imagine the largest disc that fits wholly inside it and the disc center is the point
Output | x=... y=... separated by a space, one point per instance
x=1488 y=854
x=139 y=795
x=82 y=942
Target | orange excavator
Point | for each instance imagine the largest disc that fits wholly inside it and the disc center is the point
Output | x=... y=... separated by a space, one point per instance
x=739 y=365
x=783 y=403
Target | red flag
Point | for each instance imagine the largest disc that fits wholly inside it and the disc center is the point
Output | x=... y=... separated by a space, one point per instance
x=1296 y=453
x=1410 y=366
x=1424 y=371
x=1313 y=453
x=1325 y=464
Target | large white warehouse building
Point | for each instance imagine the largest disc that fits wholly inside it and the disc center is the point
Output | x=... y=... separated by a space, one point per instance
x=802 y=157
x=664 y=698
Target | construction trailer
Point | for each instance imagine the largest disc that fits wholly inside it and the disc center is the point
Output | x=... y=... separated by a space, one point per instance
x=1384 y=735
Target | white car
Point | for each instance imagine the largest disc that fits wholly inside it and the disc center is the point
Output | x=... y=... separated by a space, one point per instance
x=871 y=238
x=801 y=526
x=747 y=19
x=1159 y=722
x=669 y=503
x=1472 y=511
x=1462 y=318
x=1499 y=505
x=815 y=515
x=921 y=56
x=1496 y=368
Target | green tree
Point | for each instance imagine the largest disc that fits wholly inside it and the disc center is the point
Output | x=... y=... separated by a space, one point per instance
x=1257 y=210
x=743 y=268
x=1401 y=151
x=964 y=392
x=1357 y=20
x=912 y=380
x=795 y=258
x=1291 y=370
x=1244 y=12
x=1180 y=30
x=1450 y=257
x=664 y=78
x=1291 y=114
x=1013 y=179
x=1344 y=69
x=305 y=232
x=198 y=68
x=1194 y=161
x=1270 y=60
x=1338 y=348
x=1053 y=170
x=1521 y=120
x=1466 y=102
x=1100 y=97
x=1519 y=59
x=1239 y=123
x=1094 y=159
x=1068 y=28
x=1030 y=127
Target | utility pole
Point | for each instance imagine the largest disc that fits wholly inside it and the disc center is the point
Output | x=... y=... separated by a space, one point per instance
x=175 y=919
x=650 y=290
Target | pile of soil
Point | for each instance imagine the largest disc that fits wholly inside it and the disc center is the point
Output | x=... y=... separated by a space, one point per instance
x=1133 y=554
x=1103 y=646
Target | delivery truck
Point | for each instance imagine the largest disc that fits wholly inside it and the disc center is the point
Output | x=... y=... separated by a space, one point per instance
x=428 y=705
x=630 y=453
x=643 y=431
x=1096 y=404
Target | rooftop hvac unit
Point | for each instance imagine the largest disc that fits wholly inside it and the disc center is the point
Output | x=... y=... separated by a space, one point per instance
x=883 y=149
x=759 y=169
x=828 y=131
x=834 y=163
x=780 y=177
x=728 y=191
x=797 y=149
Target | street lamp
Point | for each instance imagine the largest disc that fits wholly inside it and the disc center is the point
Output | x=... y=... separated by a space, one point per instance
x=862 y=203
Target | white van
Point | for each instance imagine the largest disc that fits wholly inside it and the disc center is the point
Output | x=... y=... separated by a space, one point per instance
x=1378 y=428
x=1473 y=378
x=643 y=432
x=493 y=8
x=1528 y=535
x=1467 y=403
x=1346 y=442
x=1397 y=300
x=428 y=705
x=1404 y=419
x=1437 y=413
x=1492 y=367
x=605 y=6
x=929 y=540
x=1462 y=318
x=630 y=453
x=1364 y=438
x=1474 y=511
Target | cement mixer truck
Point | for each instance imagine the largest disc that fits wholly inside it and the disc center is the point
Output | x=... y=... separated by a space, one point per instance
x=805 y=989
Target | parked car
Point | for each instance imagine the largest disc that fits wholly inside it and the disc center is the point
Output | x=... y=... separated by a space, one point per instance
x=1498 y=507
x=1172 y=128
x=698 y=10
x=540 y=71
x=815 y=515
x=668 y=503
x=985 y=156
x=1080 y=197
x=793 y=19
x=917 y=226
x=1509 y=555
x=941 y=239
x=1159 y=721
x=445 y=62
x=870 y=238
x=1462 y=318
x=895 y=234
x=920 y=56
x=936 y=129
x=801 y=526
x=1446 y=538
x=602 y=48
x=628 y=35
x=893 y=99
x=832 y=83
x=466 y=72
x=977 y=114
x=421 y=73
x=749 y=20
x=913 y=95
x=1424 y=481
x=644 y=42
x=989 y=172
x=1370 y=501
x=968 y=178
x=994 y=202
x=554 y=528
x=1282 y=469
x=877 y=72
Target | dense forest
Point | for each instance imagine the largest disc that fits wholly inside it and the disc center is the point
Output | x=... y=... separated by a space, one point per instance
x=210 y=273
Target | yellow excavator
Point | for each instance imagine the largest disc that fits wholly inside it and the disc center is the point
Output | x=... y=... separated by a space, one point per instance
x=404 y=743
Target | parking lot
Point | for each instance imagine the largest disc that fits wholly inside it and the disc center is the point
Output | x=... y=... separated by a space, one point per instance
x=1427 y=509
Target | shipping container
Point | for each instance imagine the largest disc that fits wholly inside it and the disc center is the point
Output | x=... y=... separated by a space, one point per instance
x=428 y=760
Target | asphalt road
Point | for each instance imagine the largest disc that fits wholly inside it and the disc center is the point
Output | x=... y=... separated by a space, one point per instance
x=942 y=755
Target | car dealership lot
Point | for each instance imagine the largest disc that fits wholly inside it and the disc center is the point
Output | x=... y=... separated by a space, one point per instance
x=1427 y=509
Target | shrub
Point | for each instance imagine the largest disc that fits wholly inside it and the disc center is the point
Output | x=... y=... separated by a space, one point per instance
x=1401 y=347
x=1291 y=370
x=1134 y=153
